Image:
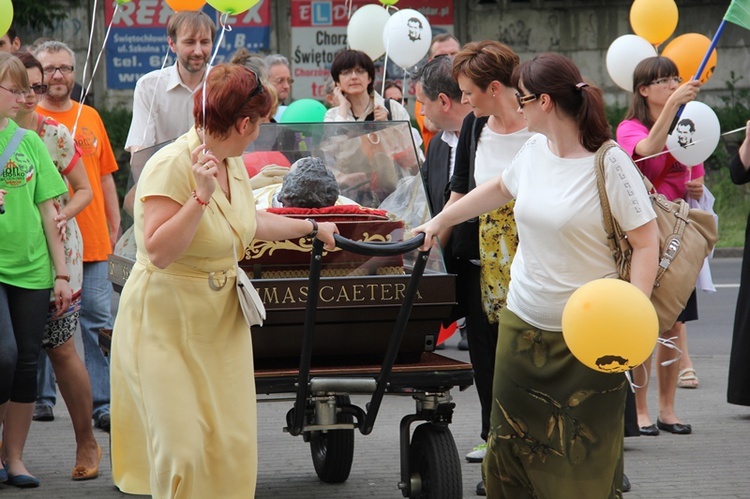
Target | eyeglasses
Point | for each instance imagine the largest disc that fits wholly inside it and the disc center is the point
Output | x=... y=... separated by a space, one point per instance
x=525 y=99
x=16 y=93
x=39 y=89
x=667 y=80
x=279 y=81
x=348 y=72
x=66 y=70
x=259 y=89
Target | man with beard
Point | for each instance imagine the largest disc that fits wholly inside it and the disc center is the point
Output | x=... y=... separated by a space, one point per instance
x=99 y=221
x=163 y=99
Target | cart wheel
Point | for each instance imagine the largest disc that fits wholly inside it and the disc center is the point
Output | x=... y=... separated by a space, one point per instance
x=333 y=451
x=434 y=463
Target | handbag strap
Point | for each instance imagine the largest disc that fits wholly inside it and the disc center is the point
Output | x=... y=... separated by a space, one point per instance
x=13 y=144
x=616 y=238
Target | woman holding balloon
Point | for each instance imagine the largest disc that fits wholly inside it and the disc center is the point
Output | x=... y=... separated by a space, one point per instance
x=556 y=424
x=658 y=94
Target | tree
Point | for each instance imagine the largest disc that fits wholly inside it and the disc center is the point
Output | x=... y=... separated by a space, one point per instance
x=37 y=14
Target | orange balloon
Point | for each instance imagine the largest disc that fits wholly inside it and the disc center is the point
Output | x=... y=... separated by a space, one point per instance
x=178 y=5
x=687 y=52
x=654 y=20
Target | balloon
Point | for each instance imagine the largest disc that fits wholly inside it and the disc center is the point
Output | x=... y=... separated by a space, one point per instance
x=654 y=20
x=365 y=30
x=120 y=2
x=696 y=135
x=445 y=333
x=610 y=325
x=304 y=111
x=178 y=5
x=232 y=6
x=406 y=37
x=687 y=52
x=389 y=2
x=6 y=16
x=623 y=56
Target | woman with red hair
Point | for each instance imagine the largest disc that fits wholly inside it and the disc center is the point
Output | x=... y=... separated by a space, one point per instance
x=183 y=392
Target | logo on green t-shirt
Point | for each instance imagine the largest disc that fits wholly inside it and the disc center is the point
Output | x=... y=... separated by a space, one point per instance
x=19 y=170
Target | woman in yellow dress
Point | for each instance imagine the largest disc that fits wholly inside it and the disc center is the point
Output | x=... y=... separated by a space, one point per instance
x=183 y=391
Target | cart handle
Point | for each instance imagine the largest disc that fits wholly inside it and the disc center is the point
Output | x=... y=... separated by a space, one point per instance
x=379 y=249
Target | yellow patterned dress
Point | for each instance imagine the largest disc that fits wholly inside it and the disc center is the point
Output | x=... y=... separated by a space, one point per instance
x=182 y=383
x=498 y=240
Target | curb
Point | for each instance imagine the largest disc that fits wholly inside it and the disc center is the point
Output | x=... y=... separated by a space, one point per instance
x=728 y=252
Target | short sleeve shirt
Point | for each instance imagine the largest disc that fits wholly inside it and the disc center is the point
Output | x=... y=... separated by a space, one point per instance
x=562 y=240
x=30 y=177
x=629 y=134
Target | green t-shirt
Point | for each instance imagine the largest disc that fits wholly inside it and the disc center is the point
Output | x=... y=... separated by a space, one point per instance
x=30 y=177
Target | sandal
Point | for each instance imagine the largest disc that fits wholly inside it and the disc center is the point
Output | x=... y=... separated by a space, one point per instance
x=687 y=378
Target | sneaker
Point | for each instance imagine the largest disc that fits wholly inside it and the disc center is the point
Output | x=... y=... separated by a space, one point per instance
x=103 y=422
x=480 y=489
x=477 y=455
x=43 y=412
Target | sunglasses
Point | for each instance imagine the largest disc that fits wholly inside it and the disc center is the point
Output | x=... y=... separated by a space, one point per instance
x=525 y=99
x=259 y=89
x=40 y=89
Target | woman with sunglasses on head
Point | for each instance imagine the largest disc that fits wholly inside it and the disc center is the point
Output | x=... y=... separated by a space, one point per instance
x=658 y=94
x=556 y=428
x=183 y=390
x=32 y=263
x=70 y=372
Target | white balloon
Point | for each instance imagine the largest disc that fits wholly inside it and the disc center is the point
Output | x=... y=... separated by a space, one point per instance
x=623 y=56
x=407 y=36
x=365 y=30
x=696 y=135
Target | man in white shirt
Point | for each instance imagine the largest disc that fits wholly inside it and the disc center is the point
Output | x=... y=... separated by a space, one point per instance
x=163 y=99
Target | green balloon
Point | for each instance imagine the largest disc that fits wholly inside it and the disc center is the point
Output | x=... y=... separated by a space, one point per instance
x=389 y=2
x=6 y=16
x=304 y=111
x=232 y=6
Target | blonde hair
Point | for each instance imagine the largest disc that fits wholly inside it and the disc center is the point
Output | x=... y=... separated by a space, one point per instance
x=12 y=67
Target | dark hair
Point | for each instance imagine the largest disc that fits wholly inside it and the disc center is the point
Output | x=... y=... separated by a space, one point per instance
x=484 y=62
x=558 y=77
x=436 y=78
x=193 y=20
x=687 y=122
x=29 y=61
x=350 y=59
x=648 y=70
x=12 y=33
x=228 y=87
x=391 y=84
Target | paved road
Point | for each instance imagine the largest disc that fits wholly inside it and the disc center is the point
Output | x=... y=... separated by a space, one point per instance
x=711 y=463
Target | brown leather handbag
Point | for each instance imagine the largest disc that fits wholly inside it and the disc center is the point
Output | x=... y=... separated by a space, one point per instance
x=686 y=237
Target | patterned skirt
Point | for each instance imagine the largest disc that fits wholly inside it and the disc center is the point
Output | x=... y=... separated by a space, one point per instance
x=556 y=428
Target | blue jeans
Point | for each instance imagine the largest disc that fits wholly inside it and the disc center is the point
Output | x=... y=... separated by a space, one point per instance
x=96 y=296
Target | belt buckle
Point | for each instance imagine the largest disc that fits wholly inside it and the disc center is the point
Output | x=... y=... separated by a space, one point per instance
x=215 y=284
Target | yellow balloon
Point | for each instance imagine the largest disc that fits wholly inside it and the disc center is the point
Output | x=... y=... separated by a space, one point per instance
x=389 y=2
x=610 y=325
x=6 y=16
x=654 y=20
x=687 y=52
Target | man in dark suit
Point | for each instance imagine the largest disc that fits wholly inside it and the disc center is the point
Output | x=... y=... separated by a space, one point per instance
x=440 y=100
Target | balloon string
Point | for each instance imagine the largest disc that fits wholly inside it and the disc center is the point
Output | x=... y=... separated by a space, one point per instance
x=404 y=82
x=669 y=343
x=86 y=62
x=385 y=64
x=348 y=6
x=691 y=144
x=93 y=71
x=153 y=97
x=224 y=27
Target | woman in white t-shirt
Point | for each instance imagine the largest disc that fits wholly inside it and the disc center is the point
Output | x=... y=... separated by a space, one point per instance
x=541 y=443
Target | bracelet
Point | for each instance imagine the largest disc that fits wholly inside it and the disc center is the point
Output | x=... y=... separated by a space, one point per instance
x=200 y=202
x=314 y=231
x=63 y=277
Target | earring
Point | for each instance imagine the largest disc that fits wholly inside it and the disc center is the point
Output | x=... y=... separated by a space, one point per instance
x=493 y=95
